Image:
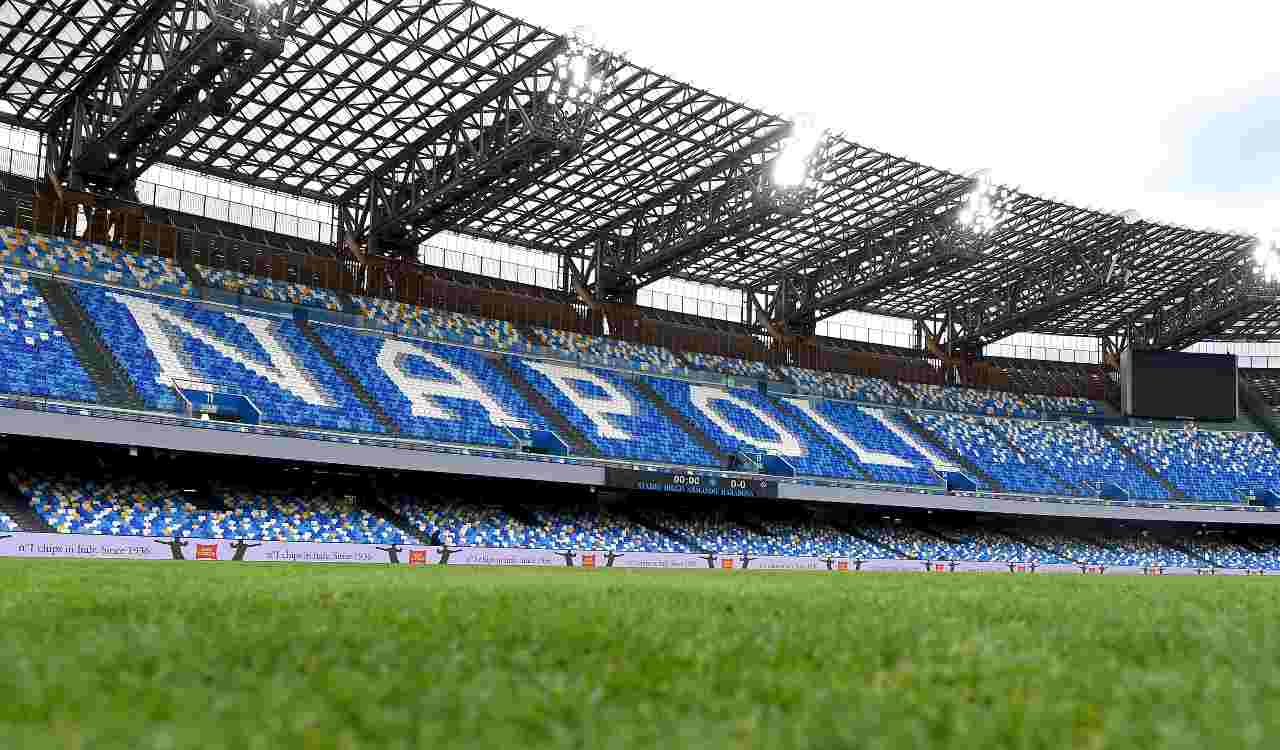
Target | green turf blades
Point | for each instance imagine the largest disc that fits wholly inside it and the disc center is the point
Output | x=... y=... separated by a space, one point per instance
x=115 y=654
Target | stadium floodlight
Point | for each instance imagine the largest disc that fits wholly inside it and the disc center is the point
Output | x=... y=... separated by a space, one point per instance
x=1266 y=255
x=581 y=76
x=986 y=206
x=793 y=169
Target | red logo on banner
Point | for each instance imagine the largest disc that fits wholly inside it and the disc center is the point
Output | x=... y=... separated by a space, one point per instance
x=206 y=552
x=726 y=563
x=842 y=565
x=939 y=568
x=1020 y=568
x=588 y=560
x=417 y=557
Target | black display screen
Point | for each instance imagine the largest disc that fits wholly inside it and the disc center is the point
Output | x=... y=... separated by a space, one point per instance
x=679 y=482
x=1178 y=385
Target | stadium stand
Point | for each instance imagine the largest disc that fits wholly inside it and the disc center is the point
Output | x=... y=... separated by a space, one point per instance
x=277 y=291
x=1077 y=454
x=995 y=403
x=434 y=391
x=974 y=439
x=441 y=325
x=92 y=261
x=163 y=341
x=1208 y=464
x=611 y=352
x=156 y=340
x=730 y=366
x=882 y=455
x=614 y=416
x=844 y=386
x=37 y=360
x=7 y=523
x=132 y=507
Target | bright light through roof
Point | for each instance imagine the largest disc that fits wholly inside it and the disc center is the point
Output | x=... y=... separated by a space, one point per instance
x=792 y=167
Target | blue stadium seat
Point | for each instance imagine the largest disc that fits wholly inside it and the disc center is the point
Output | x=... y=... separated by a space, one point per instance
x=277 y=291
x=1208 y=465
x=470 y=402
x=162 y=340
x=36 y=359
x=617 y=419
x=92 y=261
x=130 y=507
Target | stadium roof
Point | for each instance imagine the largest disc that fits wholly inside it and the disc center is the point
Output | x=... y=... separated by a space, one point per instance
x=361 y=81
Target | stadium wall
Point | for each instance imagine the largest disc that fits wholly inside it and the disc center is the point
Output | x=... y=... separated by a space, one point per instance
x=28 y=545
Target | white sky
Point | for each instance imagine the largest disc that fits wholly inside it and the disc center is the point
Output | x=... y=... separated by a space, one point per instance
x=1170 y=108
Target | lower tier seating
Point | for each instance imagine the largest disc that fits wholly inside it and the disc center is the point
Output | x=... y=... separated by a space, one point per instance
x=132 y=507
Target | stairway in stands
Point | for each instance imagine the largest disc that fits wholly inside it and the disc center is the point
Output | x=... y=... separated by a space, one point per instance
x=1145 y=467
x=946 y=452
x=1067 y=487
x=15 y=506
x=351 y=380
x=196 y=278
x=372 y=505
x=579 y=445
x=682 y=421
x=108 y=375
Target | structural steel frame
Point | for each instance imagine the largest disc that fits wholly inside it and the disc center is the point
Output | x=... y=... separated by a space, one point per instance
x=366 y=88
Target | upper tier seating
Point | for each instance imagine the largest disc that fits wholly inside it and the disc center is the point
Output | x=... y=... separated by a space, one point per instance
x=92 y=260
x=975 y=439
x=843 y=386
x=996 y=403
x=441 y=325
x=470 y=402
x=742 y=419
x=730 y=366
x=160 y=341
x=137 y=508
x=1206 y=464
x=611 y=352
x=35 y=359
x=612 y=413
x=1078 y=454
x=278 y=291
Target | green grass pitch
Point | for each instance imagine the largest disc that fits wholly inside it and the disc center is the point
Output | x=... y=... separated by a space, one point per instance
x=143 y=655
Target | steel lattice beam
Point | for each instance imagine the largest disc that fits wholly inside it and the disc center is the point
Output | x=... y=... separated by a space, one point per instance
x=861 y=267
x=1206 y=307
x=1066 y=277
x=178 y=62
x=480 y=154
x=732 y=200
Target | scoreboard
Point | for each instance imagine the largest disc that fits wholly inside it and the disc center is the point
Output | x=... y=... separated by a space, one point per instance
x=681 y=482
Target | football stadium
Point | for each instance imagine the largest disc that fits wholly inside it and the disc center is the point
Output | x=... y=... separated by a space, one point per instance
x=397 y=375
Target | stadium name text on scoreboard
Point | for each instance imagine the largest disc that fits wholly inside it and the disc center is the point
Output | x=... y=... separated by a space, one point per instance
x=690 y=484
